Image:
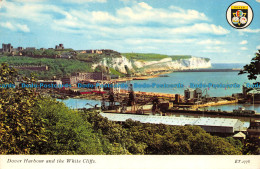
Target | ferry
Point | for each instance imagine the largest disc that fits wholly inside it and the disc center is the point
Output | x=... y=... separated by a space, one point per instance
x=242 y=110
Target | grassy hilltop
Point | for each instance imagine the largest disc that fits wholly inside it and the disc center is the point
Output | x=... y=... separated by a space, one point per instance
x=153 y=56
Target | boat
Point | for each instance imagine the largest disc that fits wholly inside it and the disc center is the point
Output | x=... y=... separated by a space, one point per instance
x=163 y=76
x=139 y=78
x=242 y=110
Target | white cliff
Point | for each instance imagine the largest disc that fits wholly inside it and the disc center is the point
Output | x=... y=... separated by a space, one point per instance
x=117 y=63
x=150 y=66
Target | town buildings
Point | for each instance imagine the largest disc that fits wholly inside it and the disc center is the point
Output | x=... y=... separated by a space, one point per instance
x=66 y=53
x=81 y=77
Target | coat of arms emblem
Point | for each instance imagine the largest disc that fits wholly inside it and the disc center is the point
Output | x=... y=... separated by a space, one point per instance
x=239 y=15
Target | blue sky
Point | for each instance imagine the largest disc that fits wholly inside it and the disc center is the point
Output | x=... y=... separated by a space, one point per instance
x=174 y=27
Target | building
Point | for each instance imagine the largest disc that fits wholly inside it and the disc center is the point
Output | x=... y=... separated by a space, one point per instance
x=7 y=47
x=254 y=95
x=177 y=98
x=78 y=77
x=112 y=87
x=240 y=136
x=254 y=130
x=197 y=93
x=188 y=94
x=107 y=50
x=50 y=83
x=220 y=126
x=59 y=47
x=94 y=51
x=91 y=76
x=69 y=80
x=20 y=49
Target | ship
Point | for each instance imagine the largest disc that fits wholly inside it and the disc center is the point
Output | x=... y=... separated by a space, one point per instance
x=242 y=110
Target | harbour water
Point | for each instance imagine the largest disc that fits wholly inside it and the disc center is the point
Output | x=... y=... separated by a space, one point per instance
x=80 y=103
x=186 y=78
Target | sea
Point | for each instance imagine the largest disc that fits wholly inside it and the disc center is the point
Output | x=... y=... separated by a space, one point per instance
x=216 y=84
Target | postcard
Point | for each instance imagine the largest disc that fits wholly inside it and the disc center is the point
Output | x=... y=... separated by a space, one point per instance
x=129 y=84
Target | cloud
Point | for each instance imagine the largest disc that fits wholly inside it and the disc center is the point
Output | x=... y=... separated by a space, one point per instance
x=138 y=41
x=244 y=48
x=258 y=1
x=215 y=50
x=35 y=12
x=15 y=27
x=211 y=42
x=23 y=28
x=136 y=14
x=243 y=42
x=201 y=28
x=143 y=13
x=103 y=31
x=250 y=30
x=7 y=25
x=136 y=17
x=31 y=1
x=84 y=1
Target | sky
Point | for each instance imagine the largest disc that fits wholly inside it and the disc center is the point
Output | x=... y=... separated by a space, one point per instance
x=172 y=27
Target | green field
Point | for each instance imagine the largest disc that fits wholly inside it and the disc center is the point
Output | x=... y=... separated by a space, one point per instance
x=94 y=57
x=145 y=56
x=153 y=56
x=179 y=57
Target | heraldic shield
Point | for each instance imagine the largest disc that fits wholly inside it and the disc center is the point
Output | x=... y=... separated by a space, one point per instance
x=239 y=15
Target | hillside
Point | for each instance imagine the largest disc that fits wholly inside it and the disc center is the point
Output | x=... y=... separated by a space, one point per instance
x=57 y=67
x=135 y=63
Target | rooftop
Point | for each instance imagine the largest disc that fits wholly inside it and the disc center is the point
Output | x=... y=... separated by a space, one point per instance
x=216 y=122
x=172 y=120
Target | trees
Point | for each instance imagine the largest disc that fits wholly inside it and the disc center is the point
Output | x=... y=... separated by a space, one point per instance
x=251 y=146
x=50 y=53
x=178 y=140
x=66 y=131
x=21 y=131
x=253 y=69
x=31 y=124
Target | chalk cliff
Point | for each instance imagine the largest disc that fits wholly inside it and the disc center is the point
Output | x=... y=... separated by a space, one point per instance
x=119 y=63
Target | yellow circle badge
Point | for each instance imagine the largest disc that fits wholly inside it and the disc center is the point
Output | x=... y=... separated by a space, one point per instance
x=239 y=15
